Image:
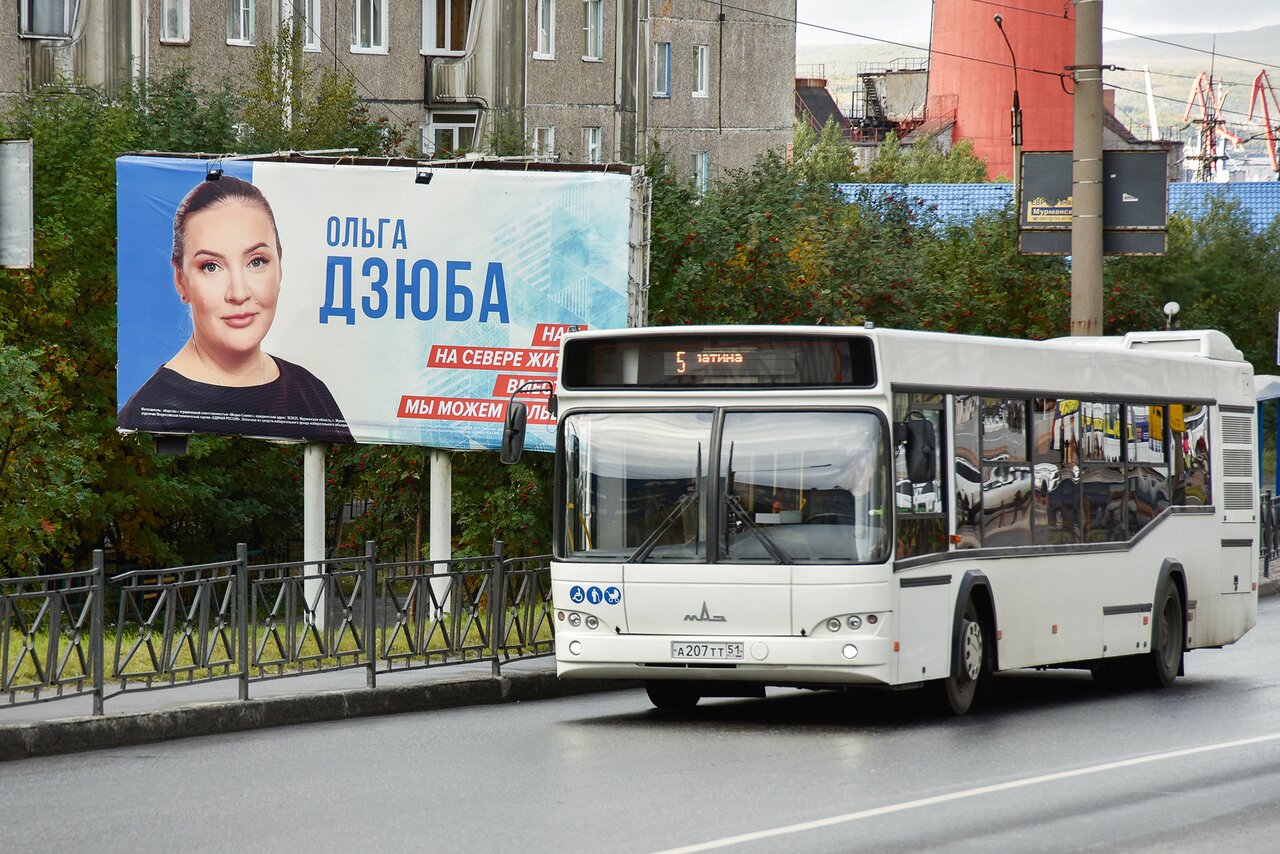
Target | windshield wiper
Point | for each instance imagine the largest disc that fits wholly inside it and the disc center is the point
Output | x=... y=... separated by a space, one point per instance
x=686 y=500
x=737 y=511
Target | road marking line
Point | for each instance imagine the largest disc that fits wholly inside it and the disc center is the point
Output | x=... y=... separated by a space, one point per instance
x=965 y=793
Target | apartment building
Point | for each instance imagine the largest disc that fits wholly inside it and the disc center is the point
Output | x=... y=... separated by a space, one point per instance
x=576 y=80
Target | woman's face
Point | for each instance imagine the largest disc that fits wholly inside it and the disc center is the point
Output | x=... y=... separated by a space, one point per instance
x=230 y=274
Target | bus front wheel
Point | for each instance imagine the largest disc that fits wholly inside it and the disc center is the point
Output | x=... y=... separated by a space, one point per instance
x=672 y=696
x=970 y=668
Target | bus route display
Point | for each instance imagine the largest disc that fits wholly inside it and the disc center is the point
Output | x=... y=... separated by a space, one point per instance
x=675 y=361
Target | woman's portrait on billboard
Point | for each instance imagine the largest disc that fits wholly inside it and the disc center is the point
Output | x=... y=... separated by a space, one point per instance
x=227 y=268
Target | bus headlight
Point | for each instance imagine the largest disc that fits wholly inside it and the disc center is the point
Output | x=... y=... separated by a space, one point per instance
x=575 y=620
x=855 y=622
x=850 y=651
x=833 y=625
x=575 y=647
x=592 y=622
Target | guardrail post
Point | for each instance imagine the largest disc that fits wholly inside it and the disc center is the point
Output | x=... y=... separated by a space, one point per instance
x=370 y=633
x=97 y=640
x=242 y=616
x=497 y=617
x=1267 y=533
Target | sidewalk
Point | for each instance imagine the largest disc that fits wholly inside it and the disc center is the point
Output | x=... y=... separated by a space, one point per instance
x=67 y=725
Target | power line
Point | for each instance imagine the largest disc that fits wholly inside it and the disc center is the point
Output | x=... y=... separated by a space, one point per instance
x=929 y=50
x=1190 y=48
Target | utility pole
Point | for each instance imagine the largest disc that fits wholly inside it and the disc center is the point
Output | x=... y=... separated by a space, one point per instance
x=1086 y=173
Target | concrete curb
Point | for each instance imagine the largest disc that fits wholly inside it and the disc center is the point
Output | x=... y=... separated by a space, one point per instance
x=70 y=735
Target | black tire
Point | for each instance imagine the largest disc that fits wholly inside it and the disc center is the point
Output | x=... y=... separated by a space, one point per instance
x=971 y=665
x=672 y=696
x=1159 y=667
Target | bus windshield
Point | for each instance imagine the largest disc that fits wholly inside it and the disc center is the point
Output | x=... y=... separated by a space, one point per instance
x=793 y=487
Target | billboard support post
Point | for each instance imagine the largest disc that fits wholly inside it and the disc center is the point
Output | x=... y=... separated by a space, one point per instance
x=313 y=519
x=440 y=526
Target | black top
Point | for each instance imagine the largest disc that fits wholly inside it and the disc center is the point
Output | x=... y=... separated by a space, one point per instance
x=295 y=405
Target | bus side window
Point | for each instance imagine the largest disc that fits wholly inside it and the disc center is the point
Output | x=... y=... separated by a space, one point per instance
x=1146 y=465
x=1192 y=463
x=920 y=507
x=1055 y=456
x=968 y=475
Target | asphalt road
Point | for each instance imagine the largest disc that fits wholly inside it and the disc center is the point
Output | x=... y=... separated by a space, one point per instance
x=1053 y=764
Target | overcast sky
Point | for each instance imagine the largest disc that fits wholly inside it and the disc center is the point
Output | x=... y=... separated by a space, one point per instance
x=908 y=20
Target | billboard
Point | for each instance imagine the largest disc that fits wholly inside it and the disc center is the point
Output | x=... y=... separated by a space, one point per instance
x=1135 y=203
x=376 y=304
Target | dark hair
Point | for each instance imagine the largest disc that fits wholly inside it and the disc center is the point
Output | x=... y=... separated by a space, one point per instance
x=210 y=194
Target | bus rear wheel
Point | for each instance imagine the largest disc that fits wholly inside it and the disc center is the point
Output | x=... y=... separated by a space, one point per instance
x=672 y=696
x=1159 y=667
x=970 y=669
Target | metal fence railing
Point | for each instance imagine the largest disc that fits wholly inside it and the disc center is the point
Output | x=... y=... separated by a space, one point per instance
x=252 y=623
x=1270 y=524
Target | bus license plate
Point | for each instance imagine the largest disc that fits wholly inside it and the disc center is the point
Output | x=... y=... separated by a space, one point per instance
x=731 y=651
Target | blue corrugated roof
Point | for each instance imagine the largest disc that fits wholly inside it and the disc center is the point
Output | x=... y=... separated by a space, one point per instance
x=962 y=202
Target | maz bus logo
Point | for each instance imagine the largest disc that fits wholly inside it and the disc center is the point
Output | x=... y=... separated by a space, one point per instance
x=704 y=617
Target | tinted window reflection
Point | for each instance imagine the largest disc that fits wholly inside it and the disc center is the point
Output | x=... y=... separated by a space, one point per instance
x=1102 y=503
x=968 y=484
x=1006 y=505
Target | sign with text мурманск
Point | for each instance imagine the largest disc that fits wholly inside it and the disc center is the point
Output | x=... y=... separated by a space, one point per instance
x=1135 y=203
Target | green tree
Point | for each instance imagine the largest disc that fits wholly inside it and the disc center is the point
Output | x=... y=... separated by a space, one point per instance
x=292 y=103
x=924 y=162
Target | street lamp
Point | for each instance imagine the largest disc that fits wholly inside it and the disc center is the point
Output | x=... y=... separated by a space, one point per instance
x=1015 y=115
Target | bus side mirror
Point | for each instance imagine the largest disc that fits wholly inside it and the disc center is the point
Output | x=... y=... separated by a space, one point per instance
x=917 y=434
x=513 y=432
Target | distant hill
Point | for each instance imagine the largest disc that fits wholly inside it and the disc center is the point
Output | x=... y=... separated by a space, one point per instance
x=1173 y=70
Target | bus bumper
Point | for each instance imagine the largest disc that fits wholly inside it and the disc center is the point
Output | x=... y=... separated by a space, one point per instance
x=792 y=661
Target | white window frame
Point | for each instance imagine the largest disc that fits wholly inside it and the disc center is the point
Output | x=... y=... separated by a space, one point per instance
x=544 y=26
x=593 y=30
x=241 y=22
x=453 y=122
x=429 y=34
x=662 y=70
x=544 y=143
x=700 y=66
x=592 y=145
x=27 y=18
x=379 y=27
x=180 y=12
x=702 y=171
x=311 y=21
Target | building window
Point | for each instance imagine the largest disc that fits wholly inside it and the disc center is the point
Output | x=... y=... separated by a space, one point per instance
x=369 y=26
x=546 y=45
x=305 y=14
x=662 y=70
x=701 y=171
x=544 y=143
x=700 y=71
x=444 y=26
x=449 y=134
x=593 y=28
x=240 y=22
x=52 y=19
x=175 y=21
x=591 y=145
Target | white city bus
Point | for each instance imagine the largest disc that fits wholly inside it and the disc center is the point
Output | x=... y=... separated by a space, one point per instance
x=741 y=507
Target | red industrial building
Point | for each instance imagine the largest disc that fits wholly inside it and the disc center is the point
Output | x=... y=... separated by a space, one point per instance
x=971 y=75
